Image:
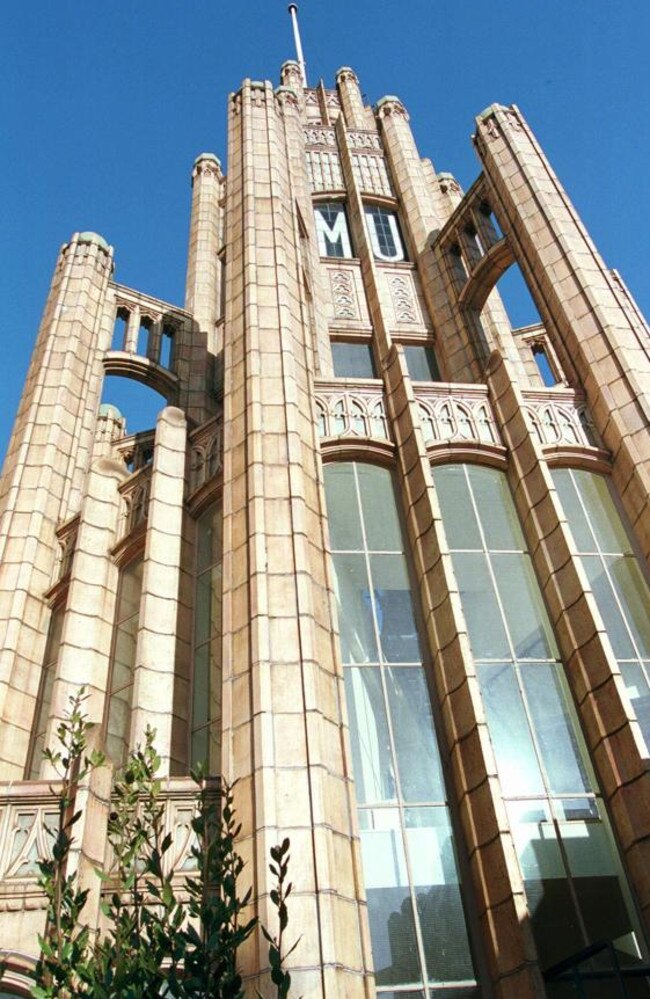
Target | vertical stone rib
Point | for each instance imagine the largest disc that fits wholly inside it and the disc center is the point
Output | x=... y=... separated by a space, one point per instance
x=602 y=341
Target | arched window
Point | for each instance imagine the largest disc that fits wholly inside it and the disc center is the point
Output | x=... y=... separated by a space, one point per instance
x=206 y=683
x=417 y=922
x=123 y=660
x=576 y=891
x=616 y=580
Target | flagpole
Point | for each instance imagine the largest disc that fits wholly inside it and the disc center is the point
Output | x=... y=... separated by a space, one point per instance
x=293 y=10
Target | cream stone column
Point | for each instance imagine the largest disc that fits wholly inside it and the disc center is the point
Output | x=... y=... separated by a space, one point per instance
x=48 y=457
x=494 y=877
x=603 y=343
x=612 y=733
x=153 y=681
x=203 y=284
x=282 y=720
x=84 y=653
x=354 y=113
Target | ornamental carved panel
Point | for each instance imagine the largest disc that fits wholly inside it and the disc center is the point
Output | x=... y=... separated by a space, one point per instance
x=403 y=296
x=344 y=294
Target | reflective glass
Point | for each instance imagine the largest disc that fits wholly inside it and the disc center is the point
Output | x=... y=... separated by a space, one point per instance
x=202 y=616
x=371 y=754
x=332 y=230
x=200 y=745
x=352 y=360
x=343 y=507
x=509 y=730
x=390 y=908
x=357 y=631
x=124 y=654
x=394 y=609
x=209 y=538
x=556 y=738
x=430 y=846
x=459 y=519
x=603 y=515
x=530 y=630
x=582 y=533
x=421 y=364
x=632 y=590
x=130 y=589
x=487 y=634
x=201 y=687
x=613 y=620
x=496 y=509
x=418 y=760
x=381 y=522
x=638 y=690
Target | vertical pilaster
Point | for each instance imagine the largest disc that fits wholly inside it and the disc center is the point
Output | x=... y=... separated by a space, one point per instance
x=610 y=729
x=153 y=682
x=354 y=113
x=282 y=724
x=604 y=341
x=42 y=482
x=88 y=626
x=203 y=284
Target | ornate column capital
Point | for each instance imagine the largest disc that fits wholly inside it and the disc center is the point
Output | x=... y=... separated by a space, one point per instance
x=390 y=106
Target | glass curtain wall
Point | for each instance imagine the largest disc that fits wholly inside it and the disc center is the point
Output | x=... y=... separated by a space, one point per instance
x=417 y=923
x=617 y=582
x=574 y=884
x=123 y=656
x=206 y=685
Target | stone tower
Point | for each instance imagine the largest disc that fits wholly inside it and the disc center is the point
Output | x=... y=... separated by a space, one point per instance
x=383 y=559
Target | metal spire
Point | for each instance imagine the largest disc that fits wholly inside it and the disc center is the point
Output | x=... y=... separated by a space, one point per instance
x=293 y=10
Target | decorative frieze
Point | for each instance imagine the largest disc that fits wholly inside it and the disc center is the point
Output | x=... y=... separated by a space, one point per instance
x=324 y=170
x=365 y=140
x=403 y=296
x=352 y=414
x=344 y=294
x=560 y=420
x=320 y=137
x=135 y=500
x=371 y=174
x=206 y=453
x=461 y=418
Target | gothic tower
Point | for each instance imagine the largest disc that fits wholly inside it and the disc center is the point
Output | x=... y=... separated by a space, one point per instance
x=383 y=560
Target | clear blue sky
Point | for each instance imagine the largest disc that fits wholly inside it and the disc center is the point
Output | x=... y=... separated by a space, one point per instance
x=104 y=107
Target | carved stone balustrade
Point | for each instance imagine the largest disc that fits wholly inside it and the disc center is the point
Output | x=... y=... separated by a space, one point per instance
x=455 y=413
x=559 y=417
x=353 y=411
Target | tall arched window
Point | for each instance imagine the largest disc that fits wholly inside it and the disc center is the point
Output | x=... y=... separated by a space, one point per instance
x=123 y=657
x=206 y=681
x=44 y=702
x=575 y=887
x=417 y=923
x=615 y=577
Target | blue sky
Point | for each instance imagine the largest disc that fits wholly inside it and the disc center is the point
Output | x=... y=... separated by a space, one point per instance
x=104 y=107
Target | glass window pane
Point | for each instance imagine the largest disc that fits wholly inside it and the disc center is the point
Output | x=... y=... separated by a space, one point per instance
x=209 y=539
x=124 y=653
x=357 y=632
x=509 y=730
x=372 y=759
x=332 y=230
x=418 y=760
x=201 y=687
x=380 y=518
x=353 y=360
x=343 y=507
x=200 y=746
x=432 y=858
x=632 y=591
x=390 y=910
x=605 y=518
x=202 y=617
x=575 y=515
x=385 y=237
x=638 y=691
x=130 y=589
x=528 y=623
x=487 y=634
x=496 y=509
x=456 y=506
x=421 y=364
x=556 y=738
x=394 y=609
x=614 y=623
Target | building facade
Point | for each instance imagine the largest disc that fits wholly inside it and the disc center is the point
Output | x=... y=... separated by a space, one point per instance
x=383 y=559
